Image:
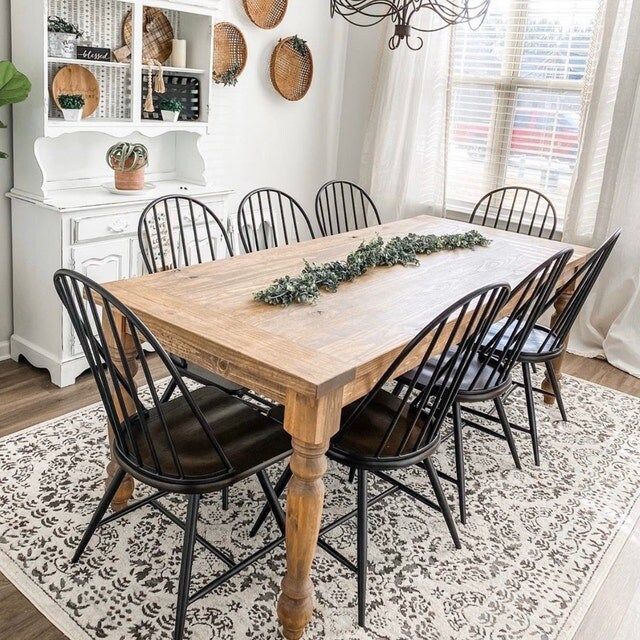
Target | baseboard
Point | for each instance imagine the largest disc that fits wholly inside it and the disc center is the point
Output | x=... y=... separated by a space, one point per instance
x=5 y=351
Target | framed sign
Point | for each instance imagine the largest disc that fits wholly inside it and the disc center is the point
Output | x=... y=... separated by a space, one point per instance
x=93 y=54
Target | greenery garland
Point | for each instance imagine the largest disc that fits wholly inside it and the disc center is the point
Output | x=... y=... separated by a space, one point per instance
x=404 y=251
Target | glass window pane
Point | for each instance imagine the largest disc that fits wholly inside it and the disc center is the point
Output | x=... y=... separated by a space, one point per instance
x=481 y=52
x=470 y=131
x=557 y=38
x=544 y=142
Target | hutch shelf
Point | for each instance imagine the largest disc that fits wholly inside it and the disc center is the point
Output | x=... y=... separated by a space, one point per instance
x=63 y=215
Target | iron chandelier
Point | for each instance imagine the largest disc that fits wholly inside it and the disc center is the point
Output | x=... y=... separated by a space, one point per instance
x=367 y=13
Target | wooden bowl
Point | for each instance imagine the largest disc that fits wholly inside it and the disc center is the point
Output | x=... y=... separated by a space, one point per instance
x=76 y=80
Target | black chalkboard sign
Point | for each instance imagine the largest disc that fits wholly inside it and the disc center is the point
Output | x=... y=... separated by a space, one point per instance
x=93 y=54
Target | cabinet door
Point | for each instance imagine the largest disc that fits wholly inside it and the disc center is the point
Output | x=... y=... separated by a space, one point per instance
x=102 y=262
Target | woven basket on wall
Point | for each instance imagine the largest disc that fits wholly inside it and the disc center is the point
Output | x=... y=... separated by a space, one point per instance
x=229 y=50
x=291 y=72
x=266 y=14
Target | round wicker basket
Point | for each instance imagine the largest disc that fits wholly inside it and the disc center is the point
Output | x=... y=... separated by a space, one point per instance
x=266 y=14
x=291 y=71
x=229 y=50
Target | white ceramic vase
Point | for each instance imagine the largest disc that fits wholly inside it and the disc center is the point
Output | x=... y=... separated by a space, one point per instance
x=170 y=116
x=72 y=115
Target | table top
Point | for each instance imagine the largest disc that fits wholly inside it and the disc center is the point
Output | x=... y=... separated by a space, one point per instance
x=206 y=313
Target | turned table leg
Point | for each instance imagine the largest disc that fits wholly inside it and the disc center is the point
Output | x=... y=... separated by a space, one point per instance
x=311 y=422
x=125 y=492
x=559 y=307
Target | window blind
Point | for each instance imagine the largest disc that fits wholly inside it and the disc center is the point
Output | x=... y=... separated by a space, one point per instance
x=516 y=102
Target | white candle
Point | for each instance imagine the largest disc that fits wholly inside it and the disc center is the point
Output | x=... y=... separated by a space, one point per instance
x=179 y=54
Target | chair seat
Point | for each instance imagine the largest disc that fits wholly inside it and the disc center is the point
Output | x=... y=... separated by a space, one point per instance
x=358 y=445
x=251 y=441
x=537 y=347
x=482 y=381
x=203 y=376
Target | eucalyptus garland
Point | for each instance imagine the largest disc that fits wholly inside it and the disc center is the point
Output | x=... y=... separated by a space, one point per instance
x=404 y=251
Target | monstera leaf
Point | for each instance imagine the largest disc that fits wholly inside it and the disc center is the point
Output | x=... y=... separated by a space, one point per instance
x=14 y=87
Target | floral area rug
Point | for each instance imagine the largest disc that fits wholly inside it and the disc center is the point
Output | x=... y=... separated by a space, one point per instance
x=538 y=543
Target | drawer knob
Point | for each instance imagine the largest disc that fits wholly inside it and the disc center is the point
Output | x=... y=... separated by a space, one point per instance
x=119 y=226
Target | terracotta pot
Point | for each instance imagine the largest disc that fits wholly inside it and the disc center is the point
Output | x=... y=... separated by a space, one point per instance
x=130 y=180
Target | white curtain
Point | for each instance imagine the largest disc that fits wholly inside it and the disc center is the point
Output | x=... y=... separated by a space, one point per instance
x=606 y=193
x=404 y=156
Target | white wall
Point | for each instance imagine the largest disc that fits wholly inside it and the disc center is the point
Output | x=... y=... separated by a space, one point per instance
x=5 y=185
x=263 y=140
x=260 y=139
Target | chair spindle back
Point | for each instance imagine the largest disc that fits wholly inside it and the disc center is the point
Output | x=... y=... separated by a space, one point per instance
x=579 y=286
x=344 y=206
x=529 y=301
x=178 y=231
x=414 y=425
x=270 y=218
x=109 y=346
x=518 y=209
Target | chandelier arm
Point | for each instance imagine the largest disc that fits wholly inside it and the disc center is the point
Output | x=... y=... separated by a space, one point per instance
x=347 y=8
x=403 y=12
x=451 y=18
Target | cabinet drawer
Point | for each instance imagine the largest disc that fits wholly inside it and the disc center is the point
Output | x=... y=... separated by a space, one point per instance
x=113 y=226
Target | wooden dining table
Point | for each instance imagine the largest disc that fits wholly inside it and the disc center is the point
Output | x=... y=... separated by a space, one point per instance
x=315 y=359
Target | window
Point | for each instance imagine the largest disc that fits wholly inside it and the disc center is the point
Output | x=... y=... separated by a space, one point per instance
x=517 y=97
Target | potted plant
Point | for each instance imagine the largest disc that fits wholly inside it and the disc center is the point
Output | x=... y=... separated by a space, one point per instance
x=128 y=161
x=71 y=107
x=170 y=109
x=62 y=37
x=14 y=87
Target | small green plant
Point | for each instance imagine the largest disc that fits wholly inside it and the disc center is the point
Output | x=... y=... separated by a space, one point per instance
x=14 y=87
x=74 y=101
x=229 y=78
x=57 y=24
x=306 y=287
x=170 y=104
x=299 y=45
x=127 y=157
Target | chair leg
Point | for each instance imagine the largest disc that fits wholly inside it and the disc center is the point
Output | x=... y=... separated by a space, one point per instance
x=281 y=485
x=352 y=474
x=531 y=411
x=225 y=499
x=186 y=564
x=555 y=385
x=103 y=505
x=168 y=392
x=363 y=526
x=461 y=473
x=442 y=502
x=508 y=433
x=272 y=499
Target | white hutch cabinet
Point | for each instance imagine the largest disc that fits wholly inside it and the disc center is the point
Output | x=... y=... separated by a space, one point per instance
x=62 y=214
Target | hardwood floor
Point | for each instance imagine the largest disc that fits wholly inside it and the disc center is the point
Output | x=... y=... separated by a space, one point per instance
x=27 y=397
